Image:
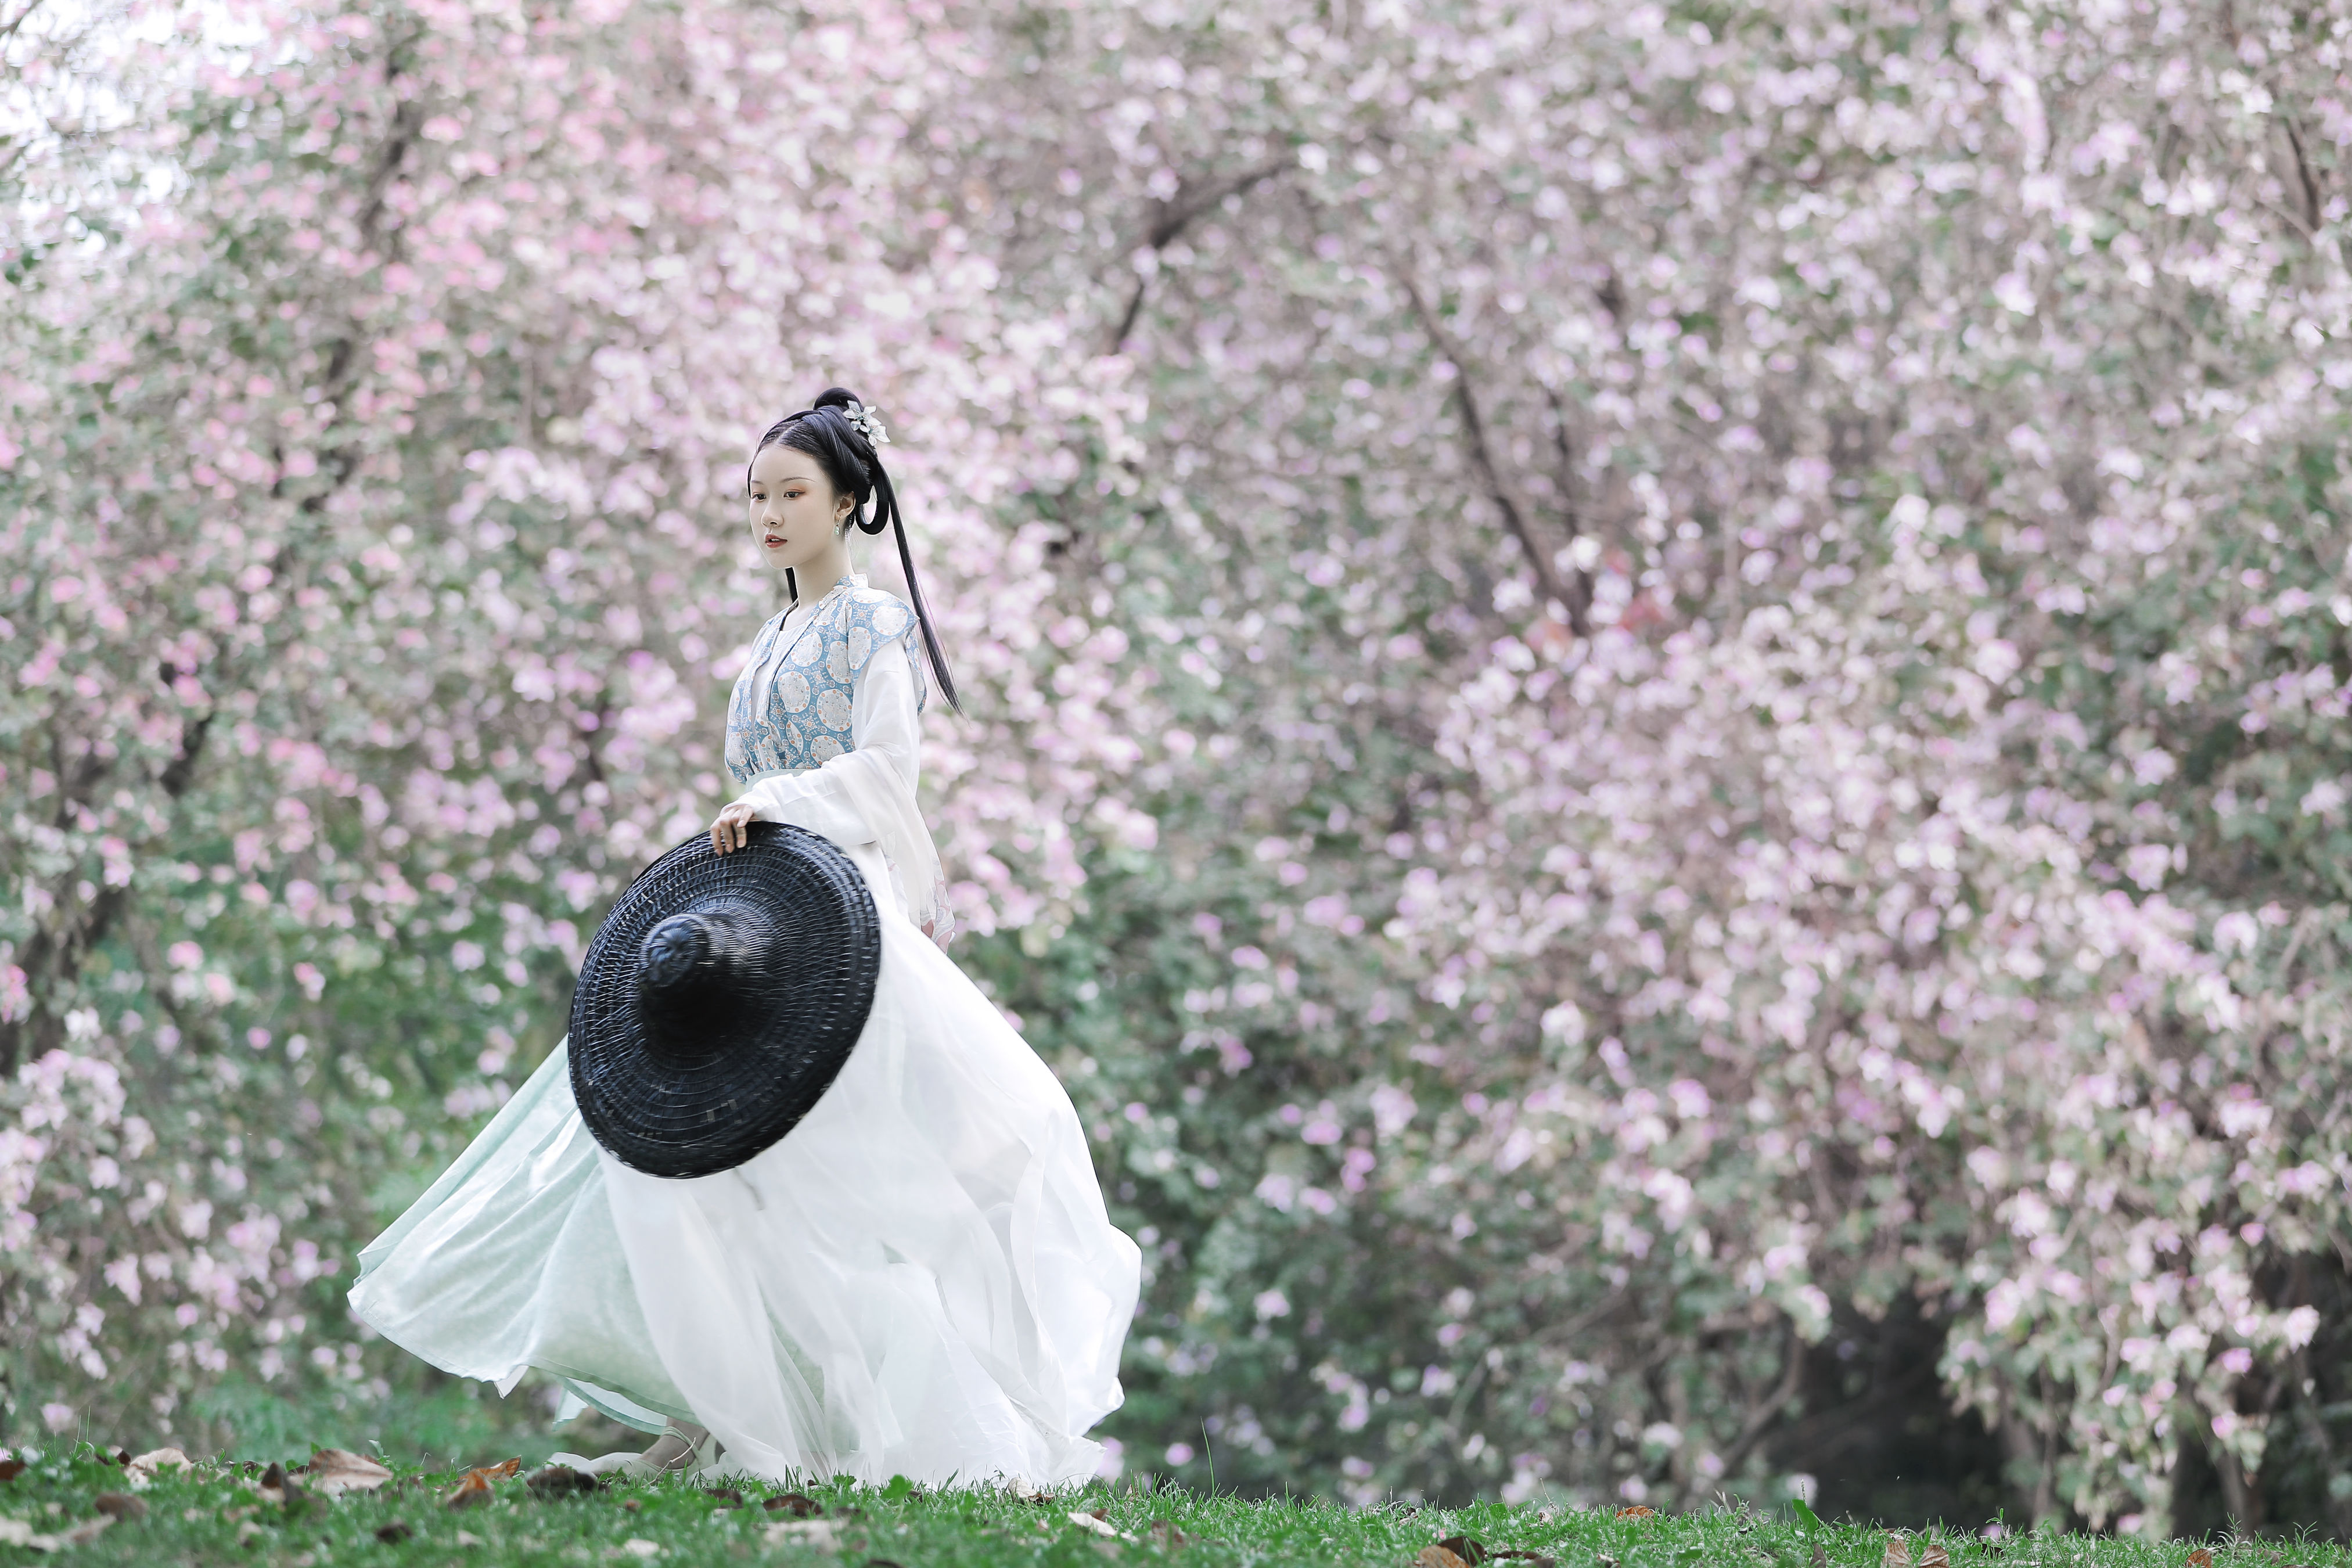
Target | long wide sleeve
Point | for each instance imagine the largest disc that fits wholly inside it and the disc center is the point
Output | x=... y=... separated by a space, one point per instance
x=867 y=795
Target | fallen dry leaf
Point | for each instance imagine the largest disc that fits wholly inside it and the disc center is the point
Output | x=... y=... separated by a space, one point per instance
x=1438 y=1557
x=1935 y=1557
x=1898 y=1552
x=799 y=1505
x=11 y=1468
x=119 y=1505
x=1471 y=1551
x=1095 y=1522
x=466 y=1537
x=1534 y=1559
x=278 y=1487
x=392 y=1534
x=725 y=1497
x=1165 y=1534
x=152 y=1463
x=560 y=1480
x=473 y=1487
x=638 y=1546
x=1638 y=1511
x=334 y=1471
x=2200 y=1558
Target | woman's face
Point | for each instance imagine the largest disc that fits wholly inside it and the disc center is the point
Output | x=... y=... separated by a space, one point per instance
x=794 y=511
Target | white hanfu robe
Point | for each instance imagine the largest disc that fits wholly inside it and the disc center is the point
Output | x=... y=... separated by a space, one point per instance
x=918 y=1279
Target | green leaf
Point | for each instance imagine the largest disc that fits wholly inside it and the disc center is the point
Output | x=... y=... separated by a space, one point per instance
x=1805 y=1514
x=898 y=1489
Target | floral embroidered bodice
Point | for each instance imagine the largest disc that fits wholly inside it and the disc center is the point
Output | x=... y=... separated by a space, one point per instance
x=804 y=722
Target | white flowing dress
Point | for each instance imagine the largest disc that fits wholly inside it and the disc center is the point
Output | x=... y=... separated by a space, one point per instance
x=918 y=1279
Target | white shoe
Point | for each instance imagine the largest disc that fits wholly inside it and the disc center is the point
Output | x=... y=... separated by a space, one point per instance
x=695 y=1454
x=631 y=1465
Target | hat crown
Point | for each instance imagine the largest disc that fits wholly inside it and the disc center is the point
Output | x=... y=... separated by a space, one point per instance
x=698 y=973
x=719 y=999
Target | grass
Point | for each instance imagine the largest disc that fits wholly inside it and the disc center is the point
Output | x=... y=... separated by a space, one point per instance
x=214 y=1515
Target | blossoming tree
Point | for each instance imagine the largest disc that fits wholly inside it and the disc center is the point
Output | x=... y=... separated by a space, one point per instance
x=1651 y=687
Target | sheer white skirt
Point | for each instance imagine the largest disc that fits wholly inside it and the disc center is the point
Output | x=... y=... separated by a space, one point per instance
x=919 y=1279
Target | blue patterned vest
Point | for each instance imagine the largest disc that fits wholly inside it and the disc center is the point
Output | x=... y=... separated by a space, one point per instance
x=806 y=723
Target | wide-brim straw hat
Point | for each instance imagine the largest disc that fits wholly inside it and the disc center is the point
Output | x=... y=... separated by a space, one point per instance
x=720 y=998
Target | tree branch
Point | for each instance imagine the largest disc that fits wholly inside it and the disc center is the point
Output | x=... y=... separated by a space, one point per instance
x=1482 y=456
x=60 y=949
x=1762 y=1415
x=1175 y=217
x=8 y=29
x=1580 y=599
x=2303 y=172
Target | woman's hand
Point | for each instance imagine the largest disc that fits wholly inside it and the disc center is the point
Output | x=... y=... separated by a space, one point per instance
x=727 y=833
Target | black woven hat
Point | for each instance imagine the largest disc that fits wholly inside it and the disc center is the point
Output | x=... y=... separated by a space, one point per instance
x=720 y=998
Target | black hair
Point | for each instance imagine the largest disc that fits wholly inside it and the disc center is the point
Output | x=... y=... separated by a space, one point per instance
x=849 y=460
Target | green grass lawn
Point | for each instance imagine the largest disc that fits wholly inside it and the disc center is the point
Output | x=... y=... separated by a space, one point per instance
x=211 y=1515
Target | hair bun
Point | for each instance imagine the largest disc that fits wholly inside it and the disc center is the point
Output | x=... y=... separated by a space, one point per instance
x=837 y=397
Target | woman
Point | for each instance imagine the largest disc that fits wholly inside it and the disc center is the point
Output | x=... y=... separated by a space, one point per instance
x=919 y=1279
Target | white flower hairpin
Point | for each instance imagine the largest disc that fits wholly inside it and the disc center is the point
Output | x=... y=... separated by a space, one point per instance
x=866 y=423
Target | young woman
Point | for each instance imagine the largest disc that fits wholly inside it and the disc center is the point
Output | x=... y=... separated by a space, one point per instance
x=919 y=1279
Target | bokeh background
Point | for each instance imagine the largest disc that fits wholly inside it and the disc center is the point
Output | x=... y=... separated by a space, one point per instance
x=1657 y=692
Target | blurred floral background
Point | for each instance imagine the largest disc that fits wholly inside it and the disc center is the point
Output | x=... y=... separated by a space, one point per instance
x=1655 y=692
